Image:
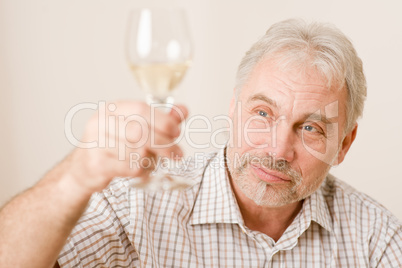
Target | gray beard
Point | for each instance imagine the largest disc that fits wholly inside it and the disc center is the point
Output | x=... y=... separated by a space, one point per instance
x=271 y=195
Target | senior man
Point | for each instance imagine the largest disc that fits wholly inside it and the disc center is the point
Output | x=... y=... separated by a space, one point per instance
x=266 y=200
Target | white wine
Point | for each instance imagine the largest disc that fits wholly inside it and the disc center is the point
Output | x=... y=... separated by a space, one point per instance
x=159 y=79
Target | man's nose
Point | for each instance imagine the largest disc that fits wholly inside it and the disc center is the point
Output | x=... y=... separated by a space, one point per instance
x=282 y=141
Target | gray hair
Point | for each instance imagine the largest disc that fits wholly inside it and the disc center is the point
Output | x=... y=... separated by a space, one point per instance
x=318 y=45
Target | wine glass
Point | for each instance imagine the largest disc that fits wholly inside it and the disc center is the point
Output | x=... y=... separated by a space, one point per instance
x=159 y=51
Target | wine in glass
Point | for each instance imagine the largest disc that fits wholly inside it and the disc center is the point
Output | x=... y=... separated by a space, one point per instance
x=159 y=51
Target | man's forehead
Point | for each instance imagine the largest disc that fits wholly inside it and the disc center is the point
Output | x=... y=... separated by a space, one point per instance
x=289 y=84
x=291 y=77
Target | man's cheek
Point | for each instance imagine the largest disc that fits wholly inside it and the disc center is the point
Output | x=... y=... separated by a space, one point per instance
x=317 y=144
x=323 y=149
x=256 y=140
x=257 y=133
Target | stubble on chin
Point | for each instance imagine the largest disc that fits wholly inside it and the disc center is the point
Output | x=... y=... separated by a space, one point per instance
x=270 y=195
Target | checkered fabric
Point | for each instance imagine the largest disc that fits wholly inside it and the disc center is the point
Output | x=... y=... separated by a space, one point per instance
x=203 y=227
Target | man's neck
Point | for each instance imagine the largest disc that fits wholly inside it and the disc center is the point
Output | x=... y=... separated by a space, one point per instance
x=272 y=221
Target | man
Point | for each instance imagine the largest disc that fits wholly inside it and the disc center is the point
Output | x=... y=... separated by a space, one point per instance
x=266 y=200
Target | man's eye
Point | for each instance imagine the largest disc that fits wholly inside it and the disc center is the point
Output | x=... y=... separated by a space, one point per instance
x=262 y=113
x=310 y=128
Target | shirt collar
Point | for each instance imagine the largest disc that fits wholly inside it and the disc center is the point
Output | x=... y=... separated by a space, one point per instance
x=315 y=209
x=216 y=202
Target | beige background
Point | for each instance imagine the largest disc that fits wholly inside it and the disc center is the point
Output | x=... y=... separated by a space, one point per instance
x=55 y=54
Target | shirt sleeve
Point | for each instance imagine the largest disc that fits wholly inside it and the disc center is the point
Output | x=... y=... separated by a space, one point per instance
x=392 y=256
x=98 y=239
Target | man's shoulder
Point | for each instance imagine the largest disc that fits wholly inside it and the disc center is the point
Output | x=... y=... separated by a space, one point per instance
x=360 y=222
x=344 y=199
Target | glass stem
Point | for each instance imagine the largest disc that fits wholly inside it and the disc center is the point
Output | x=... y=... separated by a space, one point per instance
x=164 y=104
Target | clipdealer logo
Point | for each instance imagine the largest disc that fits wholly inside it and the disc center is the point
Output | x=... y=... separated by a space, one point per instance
x=109 y=126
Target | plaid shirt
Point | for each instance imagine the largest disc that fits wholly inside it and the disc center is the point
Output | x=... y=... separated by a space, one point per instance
x=203 y=227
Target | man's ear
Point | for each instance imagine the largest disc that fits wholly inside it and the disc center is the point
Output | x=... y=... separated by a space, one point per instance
x=232 y=106
x=346 y=143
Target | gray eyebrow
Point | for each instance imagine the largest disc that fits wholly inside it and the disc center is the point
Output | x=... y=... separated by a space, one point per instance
x=318 y=117
x=260 y=97
x=312 y=116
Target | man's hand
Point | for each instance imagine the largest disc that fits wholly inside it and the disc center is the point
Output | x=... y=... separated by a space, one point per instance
x=35 y=225
x=121 y=134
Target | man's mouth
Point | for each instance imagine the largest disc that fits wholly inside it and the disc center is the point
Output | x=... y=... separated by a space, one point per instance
x=269 y=176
